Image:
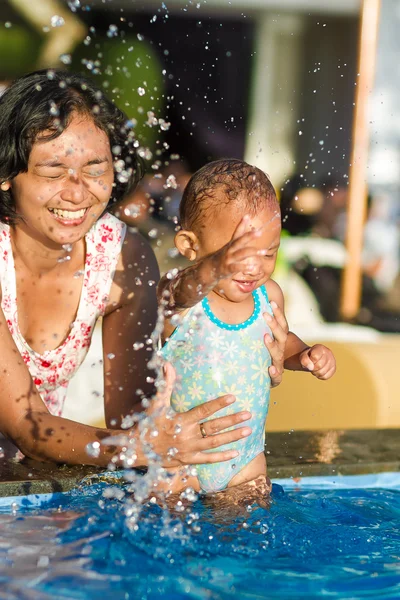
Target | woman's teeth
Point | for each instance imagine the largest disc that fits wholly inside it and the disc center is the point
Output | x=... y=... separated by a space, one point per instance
x=68 y=214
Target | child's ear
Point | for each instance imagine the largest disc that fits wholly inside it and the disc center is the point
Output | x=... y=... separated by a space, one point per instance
x=186 y=243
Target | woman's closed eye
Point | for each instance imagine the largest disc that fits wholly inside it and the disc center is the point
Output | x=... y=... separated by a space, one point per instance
x=51 y=174
x=95 y=172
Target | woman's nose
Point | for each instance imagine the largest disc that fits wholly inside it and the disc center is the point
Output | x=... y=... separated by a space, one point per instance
x=74 y=189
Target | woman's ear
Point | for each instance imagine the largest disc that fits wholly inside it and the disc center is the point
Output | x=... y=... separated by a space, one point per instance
x=187 y=244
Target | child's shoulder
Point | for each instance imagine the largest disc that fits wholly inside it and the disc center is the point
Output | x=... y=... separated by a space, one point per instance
x=274 y=292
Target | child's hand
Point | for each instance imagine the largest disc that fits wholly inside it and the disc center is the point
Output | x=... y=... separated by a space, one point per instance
x=319 y=360
x=239 y=255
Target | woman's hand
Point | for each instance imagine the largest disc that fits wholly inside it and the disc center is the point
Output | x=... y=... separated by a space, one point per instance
x=276 y=345
x=181 y=441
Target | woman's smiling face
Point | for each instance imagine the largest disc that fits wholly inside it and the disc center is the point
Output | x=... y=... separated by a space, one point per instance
x=67 y=185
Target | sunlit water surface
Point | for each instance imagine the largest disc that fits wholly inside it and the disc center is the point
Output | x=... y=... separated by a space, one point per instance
x=312 y=543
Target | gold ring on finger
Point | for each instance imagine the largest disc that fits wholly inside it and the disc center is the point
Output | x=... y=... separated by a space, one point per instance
x=202 y=430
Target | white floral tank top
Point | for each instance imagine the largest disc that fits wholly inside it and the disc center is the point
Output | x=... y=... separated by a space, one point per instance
x=52 y=370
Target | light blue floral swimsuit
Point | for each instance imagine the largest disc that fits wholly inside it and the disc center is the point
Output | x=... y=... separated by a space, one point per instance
x=213 y=358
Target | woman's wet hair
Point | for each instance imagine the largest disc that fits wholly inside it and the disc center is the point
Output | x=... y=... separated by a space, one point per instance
x=41 y=105
x=223 y=182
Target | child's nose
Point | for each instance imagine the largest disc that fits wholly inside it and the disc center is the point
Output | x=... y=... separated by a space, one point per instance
x=253 y=268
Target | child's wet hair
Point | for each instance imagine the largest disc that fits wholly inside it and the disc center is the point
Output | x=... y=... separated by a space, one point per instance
x=223 y=182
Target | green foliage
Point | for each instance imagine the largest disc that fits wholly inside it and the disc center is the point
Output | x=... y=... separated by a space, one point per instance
x=122 y=66
x=19 y=51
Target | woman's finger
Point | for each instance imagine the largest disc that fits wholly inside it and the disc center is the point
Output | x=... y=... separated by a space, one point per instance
x=216 y=425
x=279 y=316
x=276 y=350
x=220 y=439
x=275 y=375
x=203 y=411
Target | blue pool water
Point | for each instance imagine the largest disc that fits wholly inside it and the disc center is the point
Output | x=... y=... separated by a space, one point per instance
x=326 y=538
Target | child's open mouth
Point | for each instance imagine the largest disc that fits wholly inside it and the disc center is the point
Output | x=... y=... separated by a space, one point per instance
x=246 y=286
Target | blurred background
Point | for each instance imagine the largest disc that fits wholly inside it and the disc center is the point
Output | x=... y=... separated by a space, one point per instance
x=277 y=83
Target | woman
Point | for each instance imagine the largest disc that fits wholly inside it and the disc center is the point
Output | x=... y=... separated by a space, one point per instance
x=67 y=153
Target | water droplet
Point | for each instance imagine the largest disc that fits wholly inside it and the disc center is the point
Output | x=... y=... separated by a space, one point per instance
x=164 y=125
x=138 y=281
x=64 y=258
x=93 y=449
x=171 y=182
x=74 y=4
x=112 y=31
x=111 y=356
x=66 y=59
x=141 y=91
x=7 y=25
x=54 y=109
x=173 y=252
x=43 y=561
x=57 y=21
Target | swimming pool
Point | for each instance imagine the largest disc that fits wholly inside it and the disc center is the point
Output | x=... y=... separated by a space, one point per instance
x=321 y=537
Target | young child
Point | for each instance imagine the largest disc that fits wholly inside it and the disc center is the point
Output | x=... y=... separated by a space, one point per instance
x=217 y=312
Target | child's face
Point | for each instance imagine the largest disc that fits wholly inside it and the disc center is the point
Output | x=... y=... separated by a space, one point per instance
x=218 y=231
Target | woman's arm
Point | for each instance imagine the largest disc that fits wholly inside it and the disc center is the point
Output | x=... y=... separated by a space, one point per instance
x=128 y=326
x=25 y=420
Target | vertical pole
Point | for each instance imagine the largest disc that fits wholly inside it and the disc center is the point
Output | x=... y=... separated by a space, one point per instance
x=275 y=78
x=357 y=204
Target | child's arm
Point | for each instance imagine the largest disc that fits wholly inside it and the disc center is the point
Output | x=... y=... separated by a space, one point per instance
x=298 y=356
x=192 y=284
